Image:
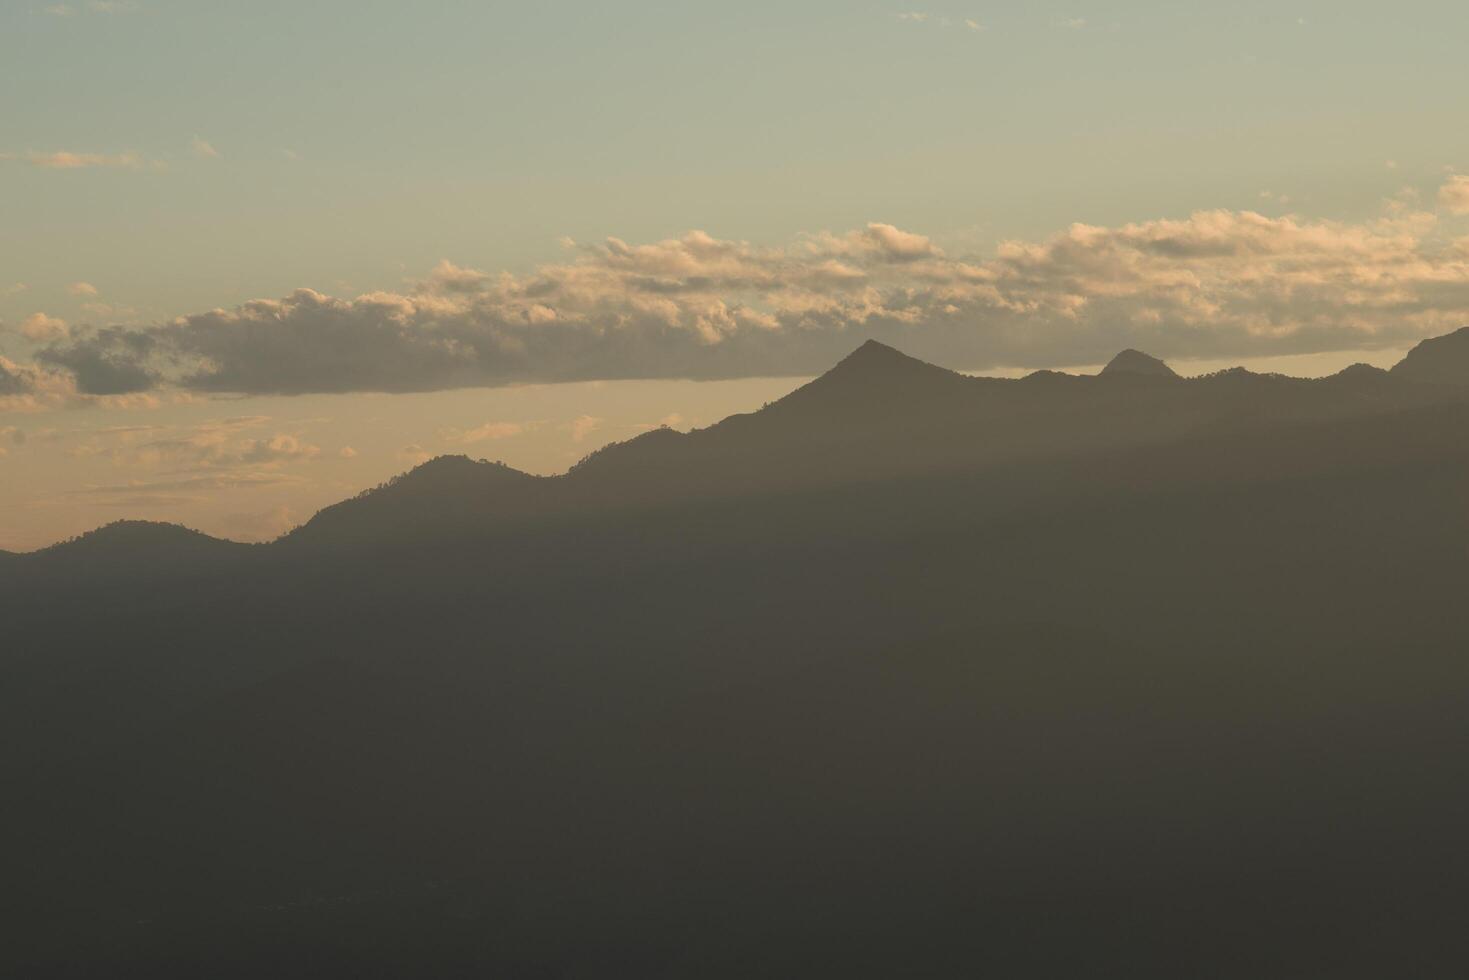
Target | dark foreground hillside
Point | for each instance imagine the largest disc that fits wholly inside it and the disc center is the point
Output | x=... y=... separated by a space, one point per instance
x=908 y=674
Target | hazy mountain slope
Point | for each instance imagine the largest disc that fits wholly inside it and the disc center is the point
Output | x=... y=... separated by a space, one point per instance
x=447 y=495
x=1439 y=360
x=1033 y=717
x=1148 y=695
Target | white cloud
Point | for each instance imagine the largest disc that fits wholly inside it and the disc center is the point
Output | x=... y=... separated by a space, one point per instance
x=14 y=289
x=1453 y=196
x=913 y=17
x=973 y=24
x=82 y=289
x=112 y=6
x=583 y=426
x=60 y=10
x=40 y=328
x=1070 y=23
x=1216 y=283
x=202 y=148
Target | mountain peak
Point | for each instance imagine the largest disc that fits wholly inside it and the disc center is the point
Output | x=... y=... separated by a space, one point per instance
x=131 y=539
x=1438 y=360
x=867 y=386
x=875 y=360
x=1136 y=362
x=876 y=352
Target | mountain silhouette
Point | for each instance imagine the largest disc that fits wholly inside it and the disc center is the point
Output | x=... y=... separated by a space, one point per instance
x=908 y=673
x=1136 y=362
x=1439 y=360
x=141 y=540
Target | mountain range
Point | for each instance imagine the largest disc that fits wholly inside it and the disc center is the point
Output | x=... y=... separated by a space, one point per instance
x=907 y=673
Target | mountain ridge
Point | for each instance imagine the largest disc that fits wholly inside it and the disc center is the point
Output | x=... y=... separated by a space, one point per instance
x=922 y=414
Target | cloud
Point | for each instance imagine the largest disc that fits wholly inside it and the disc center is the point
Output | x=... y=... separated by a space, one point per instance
x=218 y=444
x=1070 y=23
x=132 y=491
x=23 y=386
x=414 y=455
x=347 y=452
x=109 y=361
x=583 y=426
x=1453 y=196
x=918 y=17
x=40 y=328
x=180 y=465
x=264 y=525
x=1217 y=283
x=93 y=6
x=488 y=431
x=202 y=148
x=67 y=160
x=14 y=289
x=673 y=420
x=82 y=289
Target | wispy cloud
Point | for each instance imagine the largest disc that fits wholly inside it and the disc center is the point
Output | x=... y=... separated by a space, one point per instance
x=68 y=160
x=920 y=17
x=1070 y=23
x=490 y=431
x=93 y=7
x=82 y=289
x=202 y=148
x=230 y=448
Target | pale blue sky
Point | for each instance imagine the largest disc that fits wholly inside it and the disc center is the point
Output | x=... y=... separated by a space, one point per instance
x=484 y=132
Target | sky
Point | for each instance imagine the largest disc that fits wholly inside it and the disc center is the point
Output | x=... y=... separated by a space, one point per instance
x=258 y=257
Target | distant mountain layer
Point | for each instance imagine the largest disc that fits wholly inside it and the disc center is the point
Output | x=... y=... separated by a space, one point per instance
x=877 y=414
x=906 y=674
x=1441 y=360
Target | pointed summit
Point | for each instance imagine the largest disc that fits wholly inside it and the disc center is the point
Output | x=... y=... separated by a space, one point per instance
x=1440 y=360
x=875 y=383
x=876 y=362
x=1136 y=362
